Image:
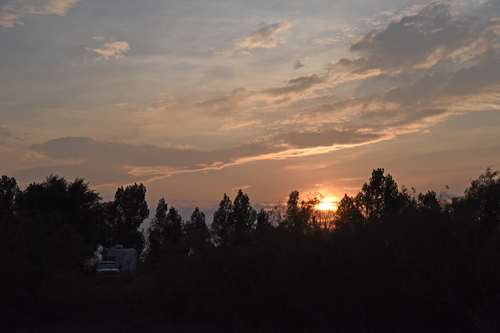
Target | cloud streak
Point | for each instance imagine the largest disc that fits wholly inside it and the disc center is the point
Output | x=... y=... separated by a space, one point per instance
x=267 y=37
x=296 y=89
x=132 y=162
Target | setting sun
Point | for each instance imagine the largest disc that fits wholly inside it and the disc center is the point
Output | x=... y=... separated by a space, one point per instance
x=328 y=203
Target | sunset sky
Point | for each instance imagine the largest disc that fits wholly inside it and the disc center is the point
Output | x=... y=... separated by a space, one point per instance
x=199 y=98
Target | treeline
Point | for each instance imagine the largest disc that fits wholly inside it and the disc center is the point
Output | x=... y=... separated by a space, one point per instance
x=388 y=259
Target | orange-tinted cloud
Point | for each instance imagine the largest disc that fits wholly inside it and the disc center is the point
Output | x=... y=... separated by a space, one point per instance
x=132 y=162
x=266 y=37
x=11 y=14
x=112 y=49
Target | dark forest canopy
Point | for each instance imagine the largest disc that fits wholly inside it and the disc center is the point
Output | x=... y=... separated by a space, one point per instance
x=386 y=254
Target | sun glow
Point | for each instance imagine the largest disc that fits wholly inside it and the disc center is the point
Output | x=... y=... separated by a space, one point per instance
x=328 y=203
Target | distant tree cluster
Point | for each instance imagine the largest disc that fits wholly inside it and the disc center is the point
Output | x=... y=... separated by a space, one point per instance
x=387 y=259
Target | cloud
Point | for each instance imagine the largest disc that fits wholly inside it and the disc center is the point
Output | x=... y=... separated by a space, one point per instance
x=266 y=37
x=296 y=89
x=242 y=187
x=327 y=41
x=9 y=136
x=237 y=124
x=163 y=103
x=451 y=89
x=415 y=106
x=225 y=105
x=12 y=13
x=297 y=85
x=326 y=138
x=466 y=49
x=420 y=41
x=224 y=54
x=407 y=76
x=59 y=7
x=111 y=49
x=9 y=20
x=298 y=63
x=132 y=162
x=127 y=105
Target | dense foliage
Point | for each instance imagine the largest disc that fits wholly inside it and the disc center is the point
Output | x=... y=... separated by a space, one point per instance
x=386 y=260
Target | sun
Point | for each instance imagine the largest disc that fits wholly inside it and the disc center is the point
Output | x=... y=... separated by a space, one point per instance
x=328 y=203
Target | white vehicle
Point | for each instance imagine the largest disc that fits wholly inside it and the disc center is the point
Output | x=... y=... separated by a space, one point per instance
x=125 y=259
x=106 y=270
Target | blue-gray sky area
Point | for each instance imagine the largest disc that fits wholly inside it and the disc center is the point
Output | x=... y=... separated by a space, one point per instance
x=200 y=98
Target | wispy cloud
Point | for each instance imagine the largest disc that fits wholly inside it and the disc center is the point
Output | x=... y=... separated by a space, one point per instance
x=267 y=37
x=9 y=19
x=242 y=187
x=59 y=7
x=164 y=103
x=9 y=136
x=234 y=124
x=111 y=49
x=298 y=88
x=327 y=40
x=11 y=14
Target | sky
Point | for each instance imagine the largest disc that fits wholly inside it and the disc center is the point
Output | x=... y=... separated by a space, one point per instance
x=197 y=98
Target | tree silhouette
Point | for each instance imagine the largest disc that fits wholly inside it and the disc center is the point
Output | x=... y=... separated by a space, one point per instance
x=429 y=203
x=196 y=223
x=481 y=202
x=232 y=219
x=165 y=231
x=222 y=225
x=379 y=198
x=174 y=226
x=299 y=213
x=347 y=212
x=9 y=191
x=243 y=213
x=157 y=232
x=125 y=215
x=433 y=263
x=263 y=219
x=60 y=202
x=196 y=232
x=293 y=213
